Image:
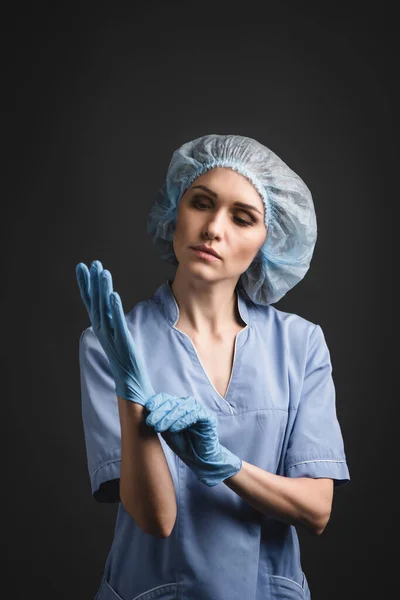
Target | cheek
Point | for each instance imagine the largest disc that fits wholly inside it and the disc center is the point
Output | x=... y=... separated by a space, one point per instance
x=263 y=237
x=249 y=242
x=184 y=227
x=189 y=222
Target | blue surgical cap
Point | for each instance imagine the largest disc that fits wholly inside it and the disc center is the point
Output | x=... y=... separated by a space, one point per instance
x=289 y=214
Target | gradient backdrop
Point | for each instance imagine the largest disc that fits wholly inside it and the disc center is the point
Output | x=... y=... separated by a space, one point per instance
x=99 y=97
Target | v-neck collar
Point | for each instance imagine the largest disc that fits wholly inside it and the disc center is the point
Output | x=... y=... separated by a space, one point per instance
x=165 y=298
x=166 y=301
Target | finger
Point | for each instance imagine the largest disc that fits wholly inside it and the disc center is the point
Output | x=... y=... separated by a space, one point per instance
x=82 y=276
x=173 y=420
x=186 y=421
x=205 y=419
x=121 y=331
x=162 y=405
x=95 y=268
x=105 y=290
x=184 y=414
x=124 y=342
x=203 y=414
x=168 y=414
x=157 y=400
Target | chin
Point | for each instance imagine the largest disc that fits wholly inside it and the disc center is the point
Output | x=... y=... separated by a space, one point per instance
x=198 y=270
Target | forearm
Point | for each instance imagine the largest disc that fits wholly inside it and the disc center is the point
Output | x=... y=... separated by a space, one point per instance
x=146 y=487
x=296 y=501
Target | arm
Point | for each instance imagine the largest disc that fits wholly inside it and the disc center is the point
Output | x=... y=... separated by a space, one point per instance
x=146 y=488
x=297 y=501
x=191 y=432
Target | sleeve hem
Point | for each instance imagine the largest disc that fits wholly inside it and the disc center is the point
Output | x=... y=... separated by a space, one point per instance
x=321 y=468
x=105 y=472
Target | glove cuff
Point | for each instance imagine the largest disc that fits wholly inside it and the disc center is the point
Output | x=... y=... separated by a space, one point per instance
x=126 y=392
x=229 y=465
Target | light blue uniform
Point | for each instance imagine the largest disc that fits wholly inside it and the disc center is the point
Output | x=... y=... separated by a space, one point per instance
x=278 y=414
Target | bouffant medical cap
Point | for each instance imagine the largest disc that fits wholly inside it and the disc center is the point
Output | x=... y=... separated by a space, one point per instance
x=289 y=214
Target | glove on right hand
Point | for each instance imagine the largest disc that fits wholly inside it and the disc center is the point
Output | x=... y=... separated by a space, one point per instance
x=107 y=317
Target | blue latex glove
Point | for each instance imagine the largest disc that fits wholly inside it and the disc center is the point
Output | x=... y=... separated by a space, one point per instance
x=191 y=432
x=106 y=314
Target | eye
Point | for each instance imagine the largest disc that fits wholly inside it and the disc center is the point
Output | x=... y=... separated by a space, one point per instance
x=201 y=206
x=197 y=202
x=243 y=223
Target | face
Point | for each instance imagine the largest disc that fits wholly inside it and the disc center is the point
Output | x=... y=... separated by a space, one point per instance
x=215 y=203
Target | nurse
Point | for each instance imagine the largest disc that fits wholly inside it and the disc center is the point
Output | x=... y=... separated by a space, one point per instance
x=209 y=415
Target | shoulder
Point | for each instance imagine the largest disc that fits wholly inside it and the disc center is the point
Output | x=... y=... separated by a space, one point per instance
x=90 y=350
x=87 y=338
x=141 y=311
x=289 y=326
x=301 y=341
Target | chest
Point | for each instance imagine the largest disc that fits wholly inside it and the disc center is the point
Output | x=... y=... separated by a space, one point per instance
x=250 y=369
x=217 y=361
x=216 y=357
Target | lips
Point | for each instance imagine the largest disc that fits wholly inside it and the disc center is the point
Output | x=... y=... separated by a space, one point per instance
x=207 y=249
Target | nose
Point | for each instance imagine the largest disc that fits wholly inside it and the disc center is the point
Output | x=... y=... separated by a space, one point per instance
x=214 y=224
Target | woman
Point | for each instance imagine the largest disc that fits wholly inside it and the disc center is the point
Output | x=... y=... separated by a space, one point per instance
x=209 y=415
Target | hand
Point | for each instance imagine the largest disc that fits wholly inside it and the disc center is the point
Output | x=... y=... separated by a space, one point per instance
x=191 y=432
x=106 y=314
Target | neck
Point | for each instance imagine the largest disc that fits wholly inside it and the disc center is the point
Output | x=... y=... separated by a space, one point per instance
x=206 y=308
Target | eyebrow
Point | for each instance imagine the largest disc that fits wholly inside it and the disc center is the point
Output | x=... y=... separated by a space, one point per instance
x=241 y=204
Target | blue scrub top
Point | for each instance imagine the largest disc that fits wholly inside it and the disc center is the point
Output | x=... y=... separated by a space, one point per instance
x=278 y=414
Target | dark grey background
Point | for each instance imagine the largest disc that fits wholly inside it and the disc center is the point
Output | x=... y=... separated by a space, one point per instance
x=97 y=100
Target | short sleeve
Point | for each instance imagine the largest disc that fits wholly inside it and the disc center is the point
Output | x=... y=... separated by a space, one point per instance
x=100 y=417
x=316 y=447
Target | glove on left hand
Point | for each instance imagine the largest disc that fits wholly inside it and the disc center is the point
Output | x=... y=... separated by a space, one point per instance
x=191 y=432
